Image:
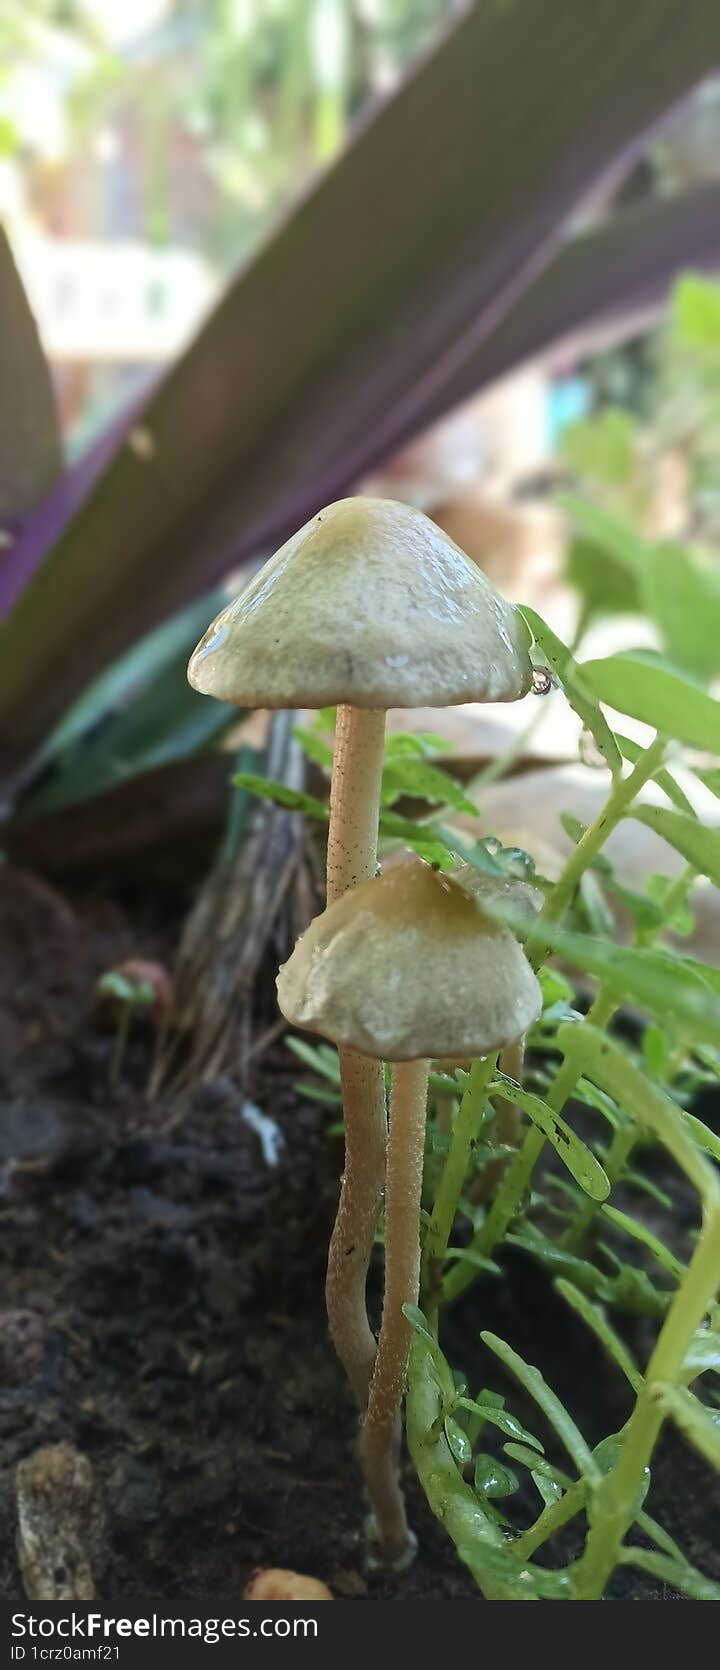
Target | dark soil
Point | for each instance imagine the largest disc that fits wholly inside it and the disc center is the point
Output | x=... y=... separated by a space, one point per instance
x=163 y=1306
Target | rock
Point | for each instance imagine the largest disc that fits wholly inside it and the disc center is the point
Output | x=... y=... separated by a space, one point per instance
x=59 y=1524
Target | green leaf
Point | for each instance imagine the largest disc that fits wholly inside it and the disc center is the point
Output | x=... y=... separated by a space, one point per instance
x=423 y=839
x=609 y=534
x=676 y=1573
x=640 y=1232
x=134 y=993
x=711 y=779
x=681 y=593
x=418 y=744
x=697 y=1424
x=580 y=1161
x=140 y=715
x=292 y=800
x=679 y=919
x=321 y=1058
x=458 y=1441
x=553 y=1410
x=695 y=316
x=409 y=775
x=632 y=750
x=421 y=1327
x=704 y=1354
x=655 y=1051
x=566 y=671
x=314 y=746
x=491 y=1414
x=605 y=587
x=698 y=845
x=609 y=1066
x=598 y=1324
x=601 y=448
x=670 y=989
x=493 y=1480
x=646 y=688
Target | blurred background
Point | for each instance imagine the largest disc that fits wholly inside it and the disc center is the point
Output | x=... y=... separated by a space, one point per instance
x=147 y=147
x=162 y=166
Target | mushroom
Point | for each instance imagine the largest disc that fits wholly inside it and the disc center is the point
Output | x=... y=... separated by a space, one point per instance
x=406 y=968
x=274 y=1583
x=369 y=606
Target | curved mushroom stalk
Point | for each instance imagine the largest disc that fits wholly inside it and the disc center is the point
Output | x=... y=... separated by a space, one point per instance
x=352 y=858
x=351 y=1243
x=381 y=1436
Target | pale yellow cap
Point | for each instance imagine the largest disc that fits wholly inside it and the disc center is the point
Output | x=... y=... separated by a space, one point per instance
x=408 y=966
x=370 y=605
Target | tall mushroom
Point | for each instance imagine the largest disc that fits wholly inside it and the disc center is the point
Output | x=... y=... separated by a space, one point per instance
x=369 y=606
x=405 y=968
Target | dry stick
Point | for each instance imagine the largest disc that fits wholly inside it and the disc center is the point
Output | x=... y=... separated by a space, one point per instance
x=382 y=1432
x=352 y=858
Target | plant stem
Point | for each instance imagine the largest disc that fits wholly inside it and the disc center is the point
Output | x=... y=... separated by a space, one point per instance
x=620 y=798
x=467 y=1122
x=120 y=1045
x=381 y=1431
x=515 y=1185
x=352 y=858
x=614 y=1162
x=613 y=1504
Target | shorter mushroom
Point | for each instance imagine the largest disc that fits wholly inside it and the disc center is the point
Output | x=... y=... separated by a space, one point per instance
x=405 y=968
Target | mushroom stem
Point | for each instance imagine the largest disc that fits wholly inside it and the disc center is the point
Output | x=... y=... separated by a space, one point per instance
x=381 y=1434
x=354 y=798
x=352 y=858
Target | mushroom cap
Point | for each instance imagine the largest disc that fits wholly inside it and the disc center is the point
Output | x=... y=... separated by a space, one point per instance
x=368 y=604
x=408 y=966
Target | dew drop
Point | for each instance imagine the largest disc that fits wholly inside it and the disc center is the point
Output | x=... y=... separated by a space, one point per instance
x=541 y=681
